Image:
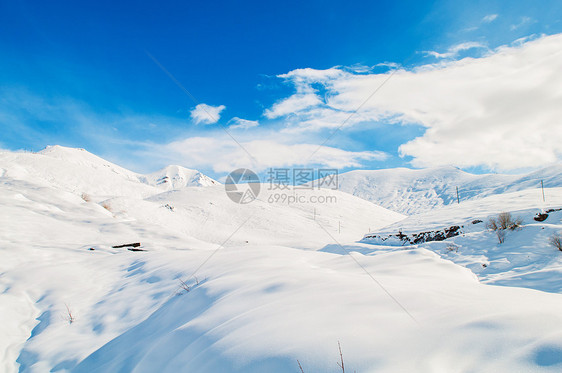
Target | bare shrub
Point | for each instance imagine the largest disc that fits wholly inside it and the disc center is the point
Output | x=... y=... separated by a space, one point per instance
x=500 y=233
x=86 y=197
x=503 y=222
x=300 y=367
x=518 y=223
x=106 y=206
x=492 y=224
x=556 y=240
x=340 y=364
x=184 y=286
x=452 y=247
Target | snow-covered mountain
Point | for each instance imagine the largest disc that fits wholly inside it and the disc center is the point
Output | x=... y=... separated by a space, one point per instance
x=193 y=201
x=177 y=177
x=81 y=172
x=410 y=191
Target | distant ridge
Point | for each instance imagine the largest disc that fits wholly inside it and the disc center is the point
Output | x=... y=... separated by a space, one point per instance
x=78 y=171
x=410 y=192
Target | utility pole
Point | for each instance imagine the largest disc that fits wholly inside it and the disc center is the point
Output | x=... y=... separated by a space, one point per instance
x=542 y=187
x=458 y=199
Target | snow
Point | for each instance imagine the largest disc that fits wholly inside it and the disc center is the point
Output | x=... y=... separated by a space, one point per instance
x=525 y=259
x=269 y=283
x=412 y=192
x=177 y=177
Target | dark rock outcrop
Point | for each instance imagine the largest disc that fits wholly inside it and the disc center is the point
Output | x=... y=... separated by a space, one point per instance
x=418 y=238
x=133 y=245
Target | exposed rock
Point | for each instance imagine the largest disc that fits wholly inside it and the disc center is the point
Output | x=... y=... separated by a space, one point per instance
x=541 y=216
x=135 y=244
x=418 y=238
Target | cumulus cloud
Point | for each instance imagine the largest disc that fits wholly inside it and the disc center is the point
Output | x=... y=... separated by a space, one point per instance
x=239 y=123
x=224 y=155
x=501 y=111
x=206 y=114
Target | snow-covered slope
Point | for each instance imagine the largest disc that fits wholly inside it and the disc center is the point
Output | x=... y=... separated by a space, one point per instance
x=85 y=159
x=208 y=214
x=178 y=177
x=525 y=259
x=73 y=170
x=414 y=191
x=224 y=287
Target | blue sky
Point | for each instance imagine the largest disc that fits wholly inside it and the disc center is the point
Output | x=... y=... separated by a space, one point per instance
x=288 y=74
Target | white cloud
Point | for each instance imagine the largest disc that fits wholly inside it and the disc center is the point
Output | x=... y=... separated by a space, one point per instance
x=306 y=96
x=489 y=18
x=223 y=155
x=205 y=148
x=292 y=104
x=317 y=118
x=454 y=51
x=302 y=76
x=207 y=114
x=239 y=123
x=501 y=111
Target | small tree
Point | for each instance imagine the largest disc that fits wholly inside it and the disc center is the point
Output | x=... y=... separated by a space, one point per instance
x=501 y=223
x=505 y=221
x=556 y=241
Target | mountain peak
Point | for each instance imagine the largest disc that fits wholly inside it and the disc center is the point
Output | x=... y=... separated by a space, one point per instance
x=176 y=177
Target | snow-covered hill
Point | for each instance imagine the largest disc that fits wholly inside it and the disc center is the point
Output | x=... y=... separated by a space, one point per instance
x=223 y=287
x=81 y=172
x=411 y=191
x=525 y=259
x=73 y=170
